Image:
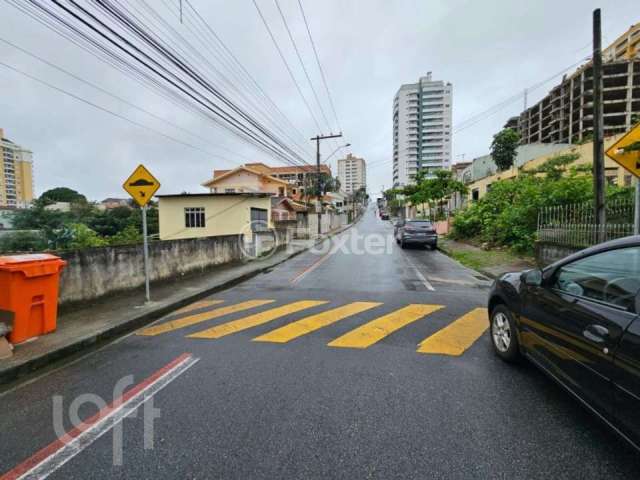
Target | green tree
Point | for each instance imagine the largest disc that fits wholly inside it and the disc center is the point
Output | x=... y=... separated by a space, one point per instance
x=434 y=190
x=128 y=236
x=22 y=242
x=62 y=194
x=503 y=148
x=111 y=222
x=39 y=218
x=153 y=225
x=327 y=184
x=75 y=236
x=557 y=166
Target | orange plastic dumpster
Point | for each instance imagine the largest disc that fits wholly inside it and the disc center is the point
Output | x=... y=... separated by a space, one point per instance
x=29 y=294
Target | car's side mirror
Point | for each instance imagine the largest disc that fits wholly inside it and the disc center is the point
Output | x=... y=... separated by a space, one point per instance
x=533 y=278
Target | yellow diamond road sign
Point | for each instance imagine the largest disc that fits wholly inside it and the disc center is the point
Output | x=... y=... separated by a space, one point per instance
x=141 y=185
x=626 y=151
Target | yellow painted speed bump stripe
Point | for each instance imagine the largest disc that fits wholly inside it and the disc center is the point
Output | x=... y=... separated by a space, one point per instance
x=253 y=320
x=198 y=305
x=374 y=331
x=202 y=317
x=314 y=322
x=456 y=337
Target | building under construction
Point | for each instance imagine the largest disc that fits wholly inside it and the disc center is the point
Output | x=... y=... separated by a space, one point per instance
x=565 y=115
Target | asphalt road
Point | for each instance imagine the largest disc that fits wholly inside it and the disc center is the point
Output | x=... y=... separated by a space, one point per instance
x=342 y=394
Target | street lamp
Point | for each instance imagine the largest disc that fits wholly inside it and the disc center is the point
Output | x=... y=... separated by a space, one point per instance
x=334 y=152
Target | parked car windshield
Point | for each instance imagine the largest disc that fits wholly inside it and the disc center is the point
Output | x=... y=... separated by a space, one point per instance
x=419 y=224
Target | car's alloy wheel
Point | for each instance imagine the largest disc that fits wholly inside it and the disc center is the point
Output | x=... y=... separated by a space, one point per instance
x=501 y=332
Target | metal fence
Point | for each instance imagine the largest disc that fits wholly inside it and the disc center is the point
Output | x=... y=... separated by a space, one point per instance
x=574 y=224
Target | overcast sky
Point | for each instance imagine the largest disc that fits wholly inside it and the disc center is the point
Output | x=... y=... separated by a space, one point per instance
x=489 y=51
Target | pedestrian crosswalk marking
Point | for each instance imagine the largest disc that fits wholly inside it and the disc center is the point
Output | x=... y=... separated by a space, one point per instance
x=199 y=305
x=314 y=322
x=375 y=330
x=257 y=319
x=458 y=336
x=202 y=317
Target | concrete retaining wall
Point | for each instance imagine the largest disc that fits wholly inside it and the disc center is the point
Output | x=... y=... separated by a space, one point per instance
x=547 y=253
x=94 y=272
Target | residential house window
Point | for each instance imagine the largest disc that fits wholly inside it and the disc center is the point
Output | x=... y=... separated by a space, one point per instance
x=281 y=191
x=259 y=219
x=475 y=195
x=194 y=217
x=627 y=178
x=229 y=190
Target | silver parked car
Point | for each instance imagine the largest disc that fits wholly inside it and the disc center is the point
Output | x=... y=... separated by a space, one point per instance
x=416 y=232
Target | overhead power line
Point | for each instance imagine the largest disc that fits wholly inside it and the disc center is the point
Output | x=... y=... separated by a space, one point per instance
x=158 y=65
x=106 y=110
x=119 y=98
x=324 y=78
x=474 y=119
x=244 y=74
x=239 y=79
x=286 y=64
x=304 y=68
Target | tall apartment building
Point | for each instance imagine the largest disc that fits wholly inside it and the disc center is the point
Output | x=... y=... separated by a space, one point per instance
x=16 y=174
x=421 y=129
x=352 y=173
x=565 y=115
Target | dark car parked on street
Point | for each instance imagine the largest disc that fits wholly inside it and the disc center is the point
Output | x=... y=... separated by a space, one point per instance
x=416 y=232
x=577 y=320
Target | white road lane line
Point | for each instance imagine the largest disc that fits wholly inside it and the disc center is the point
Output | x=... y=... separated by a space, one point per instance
x=51 y=458
x=419 y=274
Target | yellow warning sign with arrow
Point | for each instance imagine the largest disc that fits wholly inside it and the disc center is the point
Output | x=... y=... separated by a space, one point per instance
x=626 y=151
x=141 y=185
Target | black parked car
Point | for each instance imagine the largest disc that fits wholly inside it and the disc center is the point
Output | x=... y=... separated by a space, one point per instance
x=416 y=232
x=578 y=321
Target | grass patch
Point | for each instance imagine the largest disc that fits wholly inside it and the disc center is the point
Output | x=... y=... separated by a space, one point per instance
x=478 y=259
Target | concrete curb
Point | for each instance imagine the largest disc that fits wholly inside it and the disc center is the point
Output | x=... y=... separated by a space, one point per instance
x=99 y=338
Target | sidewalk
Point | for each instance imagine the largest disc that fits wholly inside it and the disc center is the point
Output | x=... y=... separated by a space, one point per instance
x=115 y=315
x=491 y=263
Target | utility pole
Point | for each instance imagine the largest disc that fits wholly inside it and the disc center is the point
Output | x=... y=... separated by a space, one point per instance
x=598 y=131
x=317 y=139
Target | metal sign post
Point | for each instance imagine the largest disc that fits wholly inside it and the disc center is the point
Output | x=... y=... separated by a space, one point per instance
x=146 y=254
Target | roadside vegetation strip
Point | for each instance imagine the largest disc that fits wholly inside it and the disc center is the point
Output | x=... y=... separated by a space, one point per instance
x=458 y=336
x=375 y=330
x=314 y=322
x=202 y=317
x=234 y=326
x=50 y=458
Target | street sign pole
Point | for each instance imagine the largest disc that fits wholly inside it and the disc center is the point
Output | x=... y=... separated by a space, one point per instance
x=142 y=186
x=146 y=253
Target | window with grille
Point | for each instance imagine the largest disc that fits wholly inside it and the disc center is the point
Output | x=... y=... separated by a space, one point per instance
x=194 y=217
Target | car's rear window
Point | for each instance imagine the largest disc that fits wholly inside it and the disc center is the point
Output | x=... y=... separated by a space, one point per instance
x=420 y=224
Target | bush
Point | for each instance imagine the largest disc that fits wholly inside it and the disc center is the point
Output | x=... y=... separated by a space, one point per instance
x=130 y=235
x=22 y=242
x=508 y=214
